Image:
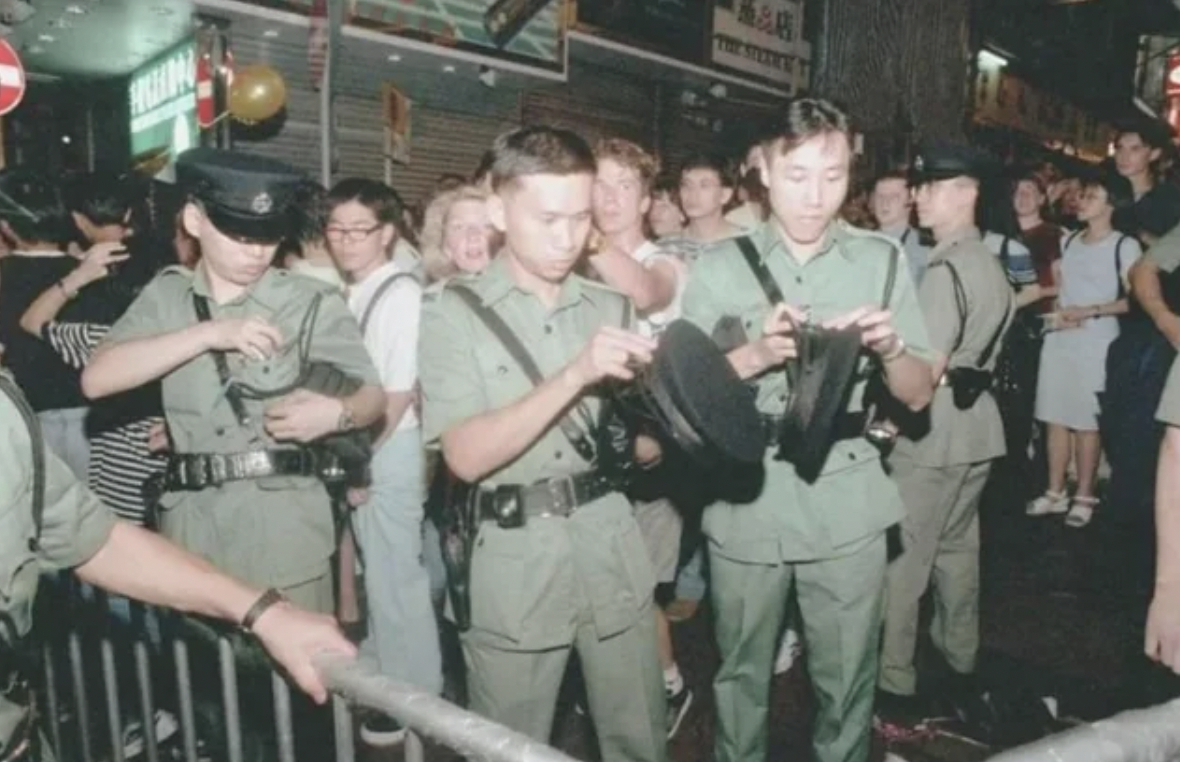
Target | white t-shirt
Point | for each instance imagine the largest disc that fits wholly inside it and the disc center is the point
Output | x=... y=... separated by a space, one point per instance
x=648 y=255
x=392 y=334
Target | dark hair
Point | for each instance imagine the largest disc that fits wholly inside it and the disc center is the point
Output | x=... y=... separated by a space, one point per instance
x=1152 y=136
x=1119 y=193
x=375 y=196
x=630 y=155
x=539 y=150
x=711 y=162
x=1028 y=175
x=102 y=199
x=311 y=213
x=483 y=167
x=802 y=120
x=32 y=206
x=448 y=181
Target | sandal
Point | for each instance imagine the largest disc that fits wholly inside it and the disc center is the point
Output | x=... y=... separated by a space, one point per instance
x=1081 y=511
x=1048 y=504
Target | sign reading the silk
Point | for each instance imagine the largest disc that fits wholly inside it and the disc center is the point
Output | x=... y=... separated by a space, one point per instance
x=162 y=99
x=763 y=38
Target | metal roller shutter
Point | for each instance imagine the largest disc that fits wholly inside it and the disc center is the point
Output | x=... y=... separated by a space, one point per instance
x=596 y=103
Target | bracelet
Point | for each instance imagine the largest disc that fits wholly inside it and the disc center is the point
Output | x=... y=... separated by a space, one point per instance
x=897 y=352
x=260 y=607
x=68 y=293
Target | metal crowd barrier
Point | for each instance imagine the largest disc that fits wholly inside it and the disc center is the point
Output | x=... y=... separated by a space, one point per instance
x=1139 y=735
x=72 y=723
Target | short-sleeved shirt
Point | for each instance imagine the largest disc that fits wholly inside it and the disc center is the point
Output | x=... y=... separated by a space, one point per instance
x=75 y=525
x=1015 y=257
x=529 y=584
x=1155 y=213
x=391 y=335
x=269 y=532
x=917 y=254
x=958 y=437
x=853 y=498
x=1169 y=409
x=648 y=255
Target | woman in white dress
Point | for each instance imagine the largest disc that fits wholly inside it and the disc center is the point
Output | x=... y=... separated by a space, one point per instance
x=1092 y=277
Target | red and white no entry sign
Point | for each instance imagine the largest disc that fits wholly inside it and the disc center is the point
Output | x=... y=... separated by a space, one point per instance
x=12 y=78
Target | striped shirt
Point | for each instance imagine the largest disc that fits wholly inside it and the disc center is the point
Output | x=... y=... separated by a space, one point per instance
x=120 y=461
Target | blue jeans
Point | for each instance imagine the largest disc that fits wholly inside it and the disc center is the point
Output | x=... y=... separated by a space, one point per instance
x=403 y=633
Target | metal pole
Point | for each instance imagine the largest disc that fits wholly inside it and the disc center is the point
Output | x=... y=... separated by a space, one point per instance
x=424 y=713
x=1141 y=735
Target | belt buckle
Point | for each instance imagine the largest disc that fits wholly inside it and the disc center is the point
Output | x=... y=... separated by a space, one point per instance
x=255 y=462
x=562 y=501
x=193 y=471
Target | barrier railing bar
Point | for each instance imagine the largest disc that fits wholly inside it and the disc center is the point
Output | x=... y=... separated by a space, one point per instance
x=110 y=681
x=469 y=734
x=81 y=705
x=284 y=732
x=229 y=699
x=184 y=698
x=147 y=700
x=342 y=725
x=1139 y=735
x=415 y=751
x=52 y=705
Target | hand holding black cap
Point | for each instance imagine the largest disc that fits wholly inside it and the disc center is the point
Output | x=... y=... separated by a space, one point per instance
x=246 y=197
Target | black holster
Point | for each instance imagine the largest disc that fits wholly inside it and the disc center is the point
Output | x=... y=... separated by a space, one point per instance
x=452 y=504
x=968 y=385
x=16 y=664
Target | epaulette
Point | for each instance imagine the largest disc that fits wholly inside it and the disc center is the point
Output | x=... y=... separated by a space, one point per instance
x=175 y=270
x=871 y=235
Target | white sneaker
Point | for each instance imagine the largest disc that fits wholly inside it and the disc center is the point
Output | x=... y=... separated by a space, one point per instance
x=790 y=649
x=1048 y=504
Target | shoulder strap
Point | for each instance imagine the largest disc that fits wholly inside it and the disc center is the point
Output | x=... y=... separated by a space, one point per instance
x=1118 y=267
x=891 y=276
x=960 y=305
x=1071 y=238
x=371 y=307
x=994 y=343
x=774 y=294
x=201 y=305
x=37 y=442
x=512 y=343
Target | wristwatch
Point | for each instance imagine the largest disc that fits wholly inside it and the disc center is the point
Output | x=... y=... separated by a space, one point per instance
x=346 y=422
x=264 y=602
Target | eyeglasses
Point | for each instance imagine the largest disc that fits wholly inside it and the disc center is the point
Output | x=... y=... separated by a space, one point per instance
x=352 y=234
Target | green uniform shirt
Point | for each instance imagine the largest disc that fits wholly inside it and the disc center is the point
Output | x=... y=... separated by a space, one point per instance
x=958 y=437
x=75 y=525
x=267 y=532
x=529 y=586
x=1169 y=409
x=791 y=520
x=1165 y=252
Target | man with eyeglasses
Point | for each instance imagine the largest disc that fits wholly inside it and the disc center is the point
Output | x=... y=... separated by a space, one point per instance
x=234 y=343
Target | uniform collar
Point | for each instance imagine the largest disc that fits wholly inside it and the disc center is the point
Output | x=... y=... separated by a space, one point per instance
x=496 y=284
x=769 y=238
x=946 y=245
x=263 y=290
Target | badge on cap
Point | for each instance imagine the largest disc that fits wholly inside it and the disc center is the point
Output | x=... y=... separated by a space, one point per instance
x=919 y=163
x=262 y=204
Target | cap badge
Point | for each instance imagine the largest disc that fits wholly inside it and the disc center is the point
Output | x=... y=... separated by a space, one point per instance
x=262 y=204
x=919 y=163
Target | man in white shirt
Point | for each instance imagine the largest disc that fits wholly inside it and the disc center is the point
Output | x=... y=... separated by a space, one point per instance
x=653 y=279
x=403 y=633
x=892 y=205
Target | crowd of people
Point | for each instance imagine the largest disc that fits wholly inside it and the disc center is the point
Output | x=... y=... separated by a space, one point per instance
x=294 y=382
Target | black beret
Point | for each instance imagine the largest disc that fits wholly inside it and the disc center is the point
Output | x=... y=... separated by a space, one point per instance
x=246 y=197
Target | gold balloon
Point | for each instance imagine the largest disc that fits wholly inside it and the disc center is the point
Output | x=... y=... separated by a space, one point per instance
x=257 y=93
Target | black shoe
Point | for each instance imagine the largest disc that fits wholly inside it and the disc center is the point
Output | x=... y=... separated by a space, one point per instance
x=678 y=706
x=382 y=730
x=901 y=711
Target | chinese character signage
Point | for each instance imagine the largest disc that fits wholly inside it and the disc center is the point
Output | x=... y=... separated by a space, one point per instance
x=162 y=98
x=676 y=28
x=763 y=38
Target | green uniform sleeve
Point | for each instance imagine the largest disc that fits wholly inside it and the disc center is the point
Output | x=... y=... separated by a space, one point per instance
x=908 y=319
x=452 y=387
x=338 y=341
x=1169 y=409
x=937 y=298
x=75 y=524
x=1165 y=253
x=148 y=314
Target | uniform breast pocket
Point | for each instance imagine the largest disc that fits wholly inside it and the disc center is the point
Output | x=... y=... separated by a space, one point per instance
x=504 y=379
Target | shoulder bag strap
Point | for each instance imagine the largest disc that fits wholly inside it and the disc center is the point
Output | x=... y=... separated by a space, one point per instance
x=371 y=307
x=37 y=443
x=995 y=340
x=774 y=294
x=512 y=343
x=960 y=305
x=1118 y=267
x=890 y=276
x=1071 y=238
x=201 y=305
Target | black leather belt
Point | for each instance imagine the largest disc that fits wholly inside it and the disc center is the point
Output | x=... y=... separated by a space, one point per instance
x=509 y=504
x=195 y=471
x=848 y=426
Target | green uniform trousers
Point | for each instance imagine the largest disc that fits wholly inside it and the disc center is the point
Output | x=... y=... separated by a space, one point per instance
x=940 y=545
x=840 y=604
x=624 y=687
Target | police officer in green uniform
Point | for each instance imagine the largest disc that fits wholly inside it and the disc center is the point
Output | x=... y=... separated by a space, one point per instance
x=1163 y=618
x=48 y=520
x=565 y=565
x=231 y=341
x=941 y=468
x=826 y=537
